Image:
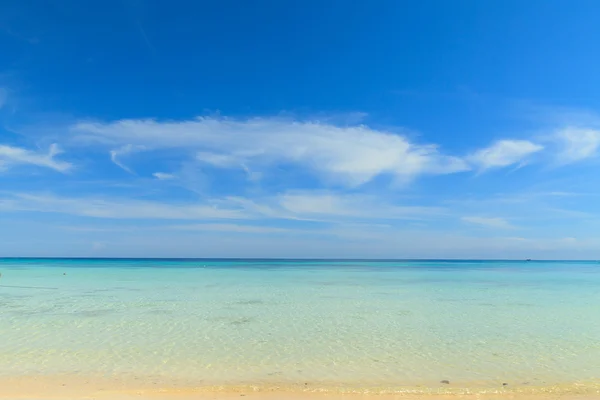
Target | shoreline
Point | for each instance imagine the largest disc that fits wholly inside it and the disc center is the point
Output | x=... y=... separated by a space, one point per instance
x=298 y=330
x=66 y=387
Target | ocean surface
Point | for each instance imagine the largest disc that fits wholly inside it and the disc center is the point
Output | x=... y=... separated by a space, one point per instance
x=318 y=325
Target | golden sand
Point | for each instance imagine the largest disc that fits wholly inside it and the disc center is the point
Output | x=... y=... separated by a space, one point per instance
x=81 y=388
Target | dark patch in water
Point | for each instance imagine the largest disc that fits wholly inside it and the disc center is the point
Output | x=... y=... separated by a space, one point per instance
x=29 y=287
x=327 y=296
x=522 y=305
x=242 y=321
x=100 y=290
x=327 y=283
x=93 y=313
x=128 y=289
x=252 y=302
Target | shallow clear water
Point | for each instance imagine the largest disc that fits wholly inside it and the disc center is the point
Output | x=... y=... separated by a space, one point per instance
x=352 y=324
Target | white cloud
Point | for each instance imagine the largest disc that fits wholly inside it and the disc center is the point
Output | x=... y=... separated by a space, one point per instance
x=236 y=228
x=116 y=154
x=340 y=231
x=504 y=153
x=353 y=230
x=317 y=207
x=577 y=144
x=350 y=155
x=218 y=160
x=10 y=156
x=120 y=208
x=162 y=176
x=359 y=206
x=227 y=161
x=499 y=223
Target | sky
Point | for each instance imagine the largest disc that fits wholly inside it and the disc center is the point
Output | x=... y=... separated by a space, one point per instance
x=300 y=129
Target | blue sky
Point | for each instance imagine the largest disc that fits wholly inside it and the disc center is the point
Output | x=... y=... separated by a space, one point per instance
x=375 y=129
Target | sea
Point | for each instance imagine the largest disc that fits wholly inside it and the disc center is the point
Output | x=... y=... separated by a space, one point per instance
x=362 y=326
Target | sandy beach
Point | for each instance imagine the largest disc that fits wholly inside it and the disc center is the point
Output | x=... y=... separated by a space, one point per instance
x=81 y=388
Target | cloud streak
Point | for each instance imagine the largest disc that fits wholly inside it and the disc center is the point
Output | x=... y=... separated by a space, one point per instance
x=349 y=155
x=118 y=208
x=577 y=144
x=496 y=223
x=504 y=153
x=295 y=206
x=358 y=206
x=163 y=176
x=13 y=156
x=116 y=154
x=233 y=228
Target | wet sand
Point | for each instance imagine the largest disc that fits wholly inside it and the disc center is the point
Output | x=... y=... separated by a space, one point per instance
x=81 y=388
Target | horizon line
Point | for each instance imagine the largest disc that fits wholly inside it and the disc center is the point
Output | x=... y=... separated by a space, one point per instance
x=284 y=259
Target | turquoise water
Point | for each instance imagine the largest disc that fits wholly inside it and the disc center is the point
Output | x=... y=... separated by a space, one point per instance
x=321 y=324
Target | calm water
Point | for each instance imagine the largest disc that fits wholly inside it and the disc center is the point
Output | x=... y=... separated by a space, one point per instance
x=326 y=324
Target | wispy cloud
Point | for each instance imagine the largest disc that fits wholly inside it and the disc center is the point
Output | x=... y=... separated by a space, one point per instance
x=218 y=160
x=574 y=132
x=119 y=208
x=577 y=144
x=316 y=207
x=11 y=156
x=348 y=155
x=346 y=230
x=504 y=153
x=236 y=228
x=351 y=155
x=162 y=176
x=116 y=154
x=495 y=222
x=358 y=206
